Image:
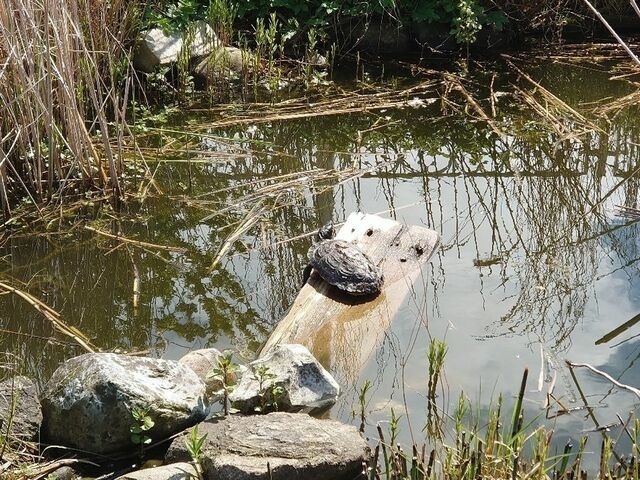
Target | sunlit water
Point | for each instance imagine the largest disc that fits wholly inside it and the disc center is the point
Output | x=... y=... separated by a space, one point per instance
x=534 y=264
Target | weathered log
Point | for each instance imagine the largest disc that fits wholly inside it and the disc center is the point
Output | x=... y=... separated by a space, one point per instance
x=342 y=330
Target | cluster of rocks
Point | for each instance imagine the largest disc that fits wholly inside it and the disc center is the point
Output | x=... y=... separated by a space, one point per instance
x=90 y=402
x=206 y=56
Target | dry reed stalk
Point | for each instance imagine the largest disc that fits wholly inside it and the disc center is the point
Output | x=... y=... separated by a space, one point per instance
x=615 y=105
x=137 y=243
x=252 y=217
x=53 y=316
x=612 y=31
x=457 y=85
x=553 y=100
x=56 y=87
x=348 y=103
x=605 y=375
x=564 y=119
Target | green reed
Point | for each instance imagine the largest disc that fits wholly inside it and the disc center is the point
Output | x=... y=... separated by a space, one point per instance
x=470 y=449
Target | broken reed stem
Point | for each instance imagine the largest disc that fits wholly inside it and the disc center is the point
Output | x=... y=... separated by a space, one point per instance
x=53 y=316
x=475 y=105
x=353 y=103
x=629 y=388
x=249 y=221
x=553 y=99
x=613 y=32
x=137 y=243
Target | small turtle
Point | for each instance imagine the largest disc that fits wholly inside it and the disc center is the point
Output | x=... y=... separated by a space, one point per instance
x=343 y=265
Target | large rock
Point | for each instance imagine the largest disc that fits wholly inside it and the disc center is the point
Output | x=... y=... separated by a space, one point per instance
x=224 y=61
x=305 y=384
x=175 y=471
x=157 y=48
x=20 y=409
x=88 y=402
x=296 y=447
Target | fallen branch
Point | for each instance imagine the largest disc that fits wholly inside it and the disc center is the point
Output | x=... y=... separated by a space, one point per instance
x=633 y=390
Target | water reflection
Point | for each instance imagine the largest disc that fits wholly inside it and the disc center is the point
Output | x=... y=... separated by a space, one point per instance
x=533 y=268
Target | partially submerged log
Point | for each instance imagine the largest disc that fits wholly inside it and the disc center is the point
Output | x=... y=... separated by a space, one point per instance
x=342 y=330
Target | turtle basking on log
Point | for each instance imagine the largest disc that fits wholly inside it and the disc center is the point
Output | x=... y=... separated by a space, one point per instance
x=343 y=265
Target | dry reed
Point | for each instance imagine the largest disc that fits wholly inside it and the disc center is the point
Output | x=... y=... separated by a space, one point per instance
x=58 y=95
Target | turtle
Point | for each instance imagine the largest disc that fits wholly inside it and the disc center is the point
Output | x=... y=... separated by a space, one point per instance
x=342 y=264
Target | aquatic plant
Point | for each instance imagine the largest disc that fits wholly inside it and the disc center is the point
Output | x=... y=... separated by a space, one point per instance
x=490 y=449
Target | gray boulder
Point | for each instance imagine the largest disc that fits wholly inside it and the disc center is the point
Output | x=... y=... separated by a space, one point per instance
x=89 y=400
x=295 y=446
x=157 y=48
x=224 y=61
x=20 y=409
x=288 y=378
x=175 y=471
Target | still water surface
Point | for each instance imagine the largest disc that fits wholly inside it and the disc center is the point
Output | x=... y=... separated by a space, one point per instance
x=534 y=265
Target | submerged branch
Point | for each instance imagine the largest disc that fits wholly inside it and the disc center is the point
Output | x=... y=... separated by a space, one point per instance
x=53 y=316
x=137 y=243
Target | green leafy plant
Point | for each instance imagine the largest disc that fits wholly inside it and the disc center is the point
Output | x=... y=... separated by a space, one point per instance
x=142 y=423
x=267 y=400
x=224 y=372
x=436 y=354
x=221 y=15
x=465 y=23
x=194 y=444
x=175 y=15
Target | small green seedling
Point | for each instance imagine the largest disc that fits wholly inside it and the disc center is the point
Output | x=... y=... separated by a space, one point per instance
x=194 y=444
x=142 y=423
x=262 y=374
x=223 y=372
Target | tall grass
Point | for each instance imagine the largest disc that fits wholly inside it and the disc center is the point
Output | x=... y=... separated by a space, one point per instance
x=60 y=96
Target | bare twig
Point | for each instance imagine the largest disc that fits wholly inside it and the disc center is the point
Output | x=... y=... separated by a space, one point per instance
x=633 y=390
x=137 y=243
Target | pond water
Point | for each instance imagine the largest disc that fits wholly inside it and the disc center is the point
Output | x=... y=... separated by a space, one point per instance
x=535 y=263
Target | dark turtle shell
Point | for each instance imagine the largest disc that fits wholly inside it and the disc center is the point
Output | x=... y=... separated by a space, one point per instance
x=344 y=265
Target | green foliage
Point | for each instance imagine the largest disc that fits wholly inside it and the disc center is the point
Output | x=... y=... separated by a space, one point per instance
x=293 y=19
x=175 y=15
x=194 y=444
x=224 y=372
x=436 y=354
x=362 y=401
x=141 y=424
x=221 y=15
x=269 y=395
x=465 y=23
